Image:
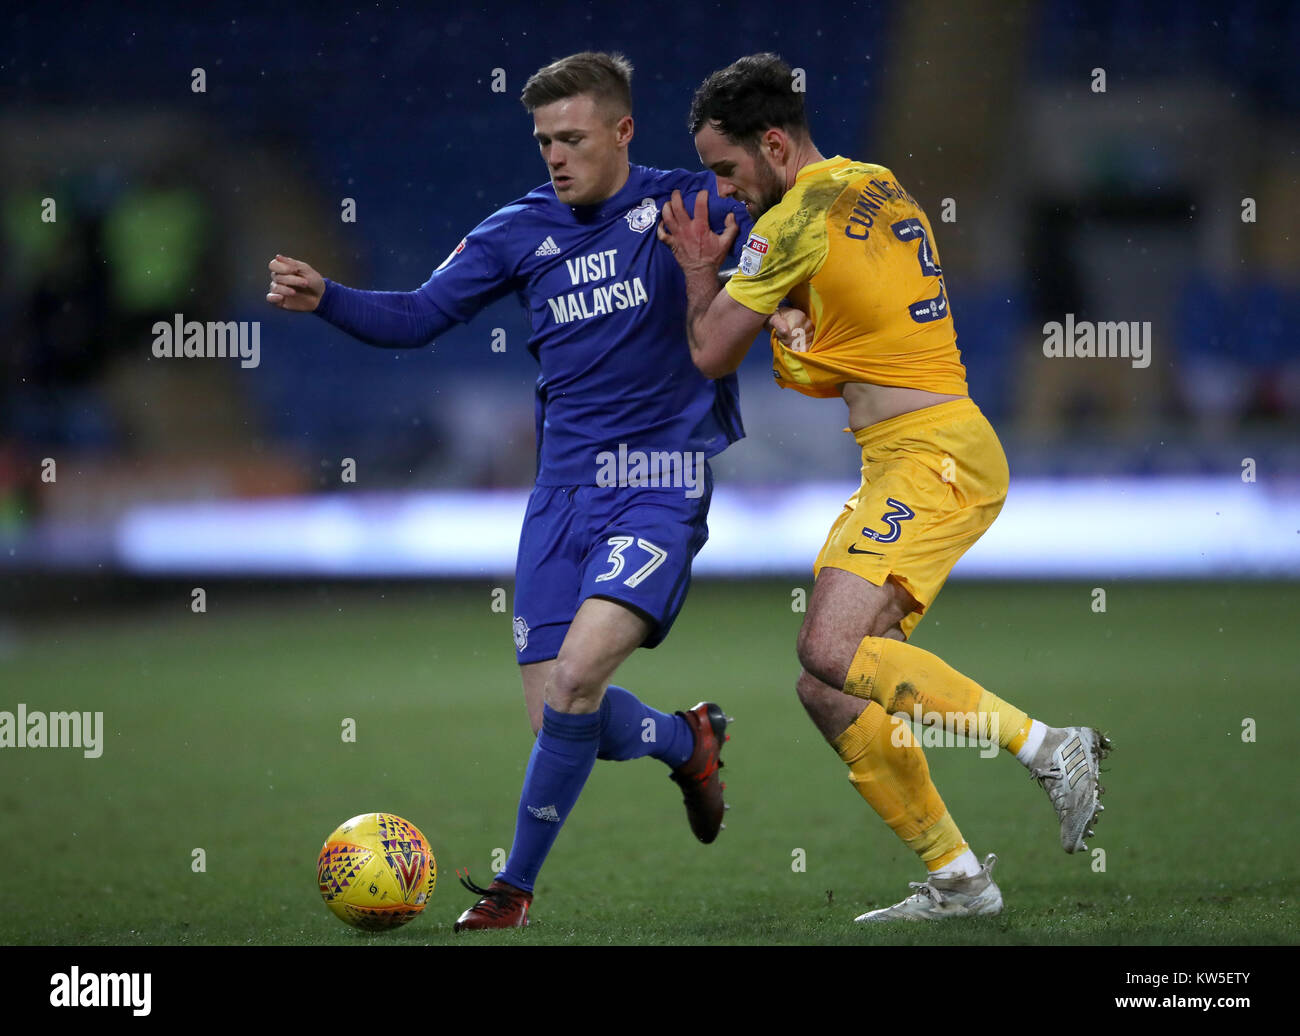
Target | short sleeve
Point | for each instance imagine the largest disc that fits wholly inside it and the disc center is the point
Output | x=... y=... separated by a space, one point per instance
x=785 y=249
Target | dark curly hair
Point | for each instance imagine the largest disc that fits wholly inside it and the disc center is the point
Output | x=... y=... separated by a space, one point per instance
x=747 y=98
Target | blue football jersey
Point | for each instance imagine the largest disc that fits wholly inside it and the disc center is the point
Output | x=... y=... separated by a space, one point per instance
x=607 y=306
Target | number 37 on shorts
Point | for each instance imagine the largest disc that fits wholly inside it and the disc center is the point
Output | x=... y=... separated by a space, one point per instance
x=631 y=545
x=617 y=562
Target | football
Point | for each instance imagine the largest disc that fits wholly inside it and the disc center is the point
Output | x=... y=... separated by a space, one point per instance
x=376 y=871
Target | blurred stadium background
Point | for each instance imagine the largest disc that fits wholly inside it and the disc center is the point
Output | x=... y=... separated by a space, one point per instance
x=1125 y=205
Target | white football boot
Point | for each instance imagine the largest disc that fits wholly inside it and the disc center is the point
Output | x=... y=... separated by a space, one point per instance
x=939 y=899
x=1068 y=767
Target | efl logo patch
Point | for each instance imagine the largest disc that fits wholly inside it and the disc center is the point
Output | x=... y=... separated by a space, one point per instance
x=454 y=252
x=643 y=217
x=751 y=256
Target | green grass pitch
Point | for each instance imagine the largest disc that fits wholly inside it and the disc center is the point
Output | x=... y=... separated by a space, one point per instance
x=223 y=732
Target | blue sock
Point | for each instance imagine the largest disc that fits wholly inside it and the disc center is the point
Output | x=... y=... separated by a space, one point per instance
x=561 y=761
x=630 y=729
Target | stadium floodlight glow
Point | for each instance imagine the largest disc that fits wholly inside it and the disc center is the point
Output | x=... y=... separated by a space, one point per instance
x=1049 y=528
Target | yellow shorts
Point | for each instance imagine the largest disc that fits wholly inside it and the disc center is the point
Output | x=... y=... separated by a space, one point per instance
x=932 y=482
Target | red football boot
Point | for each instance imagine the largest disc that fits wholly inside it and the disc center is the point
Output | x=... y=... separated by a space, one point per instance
x=698 y=776
x=501 y=906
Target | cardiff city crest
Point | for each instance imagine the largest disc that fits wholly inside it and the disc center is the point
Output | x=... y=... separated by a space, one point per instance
x=643 y=217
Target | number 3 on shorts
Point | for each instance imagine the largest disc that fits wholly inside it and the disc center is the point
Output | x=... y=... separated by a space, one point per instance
x=616 y=560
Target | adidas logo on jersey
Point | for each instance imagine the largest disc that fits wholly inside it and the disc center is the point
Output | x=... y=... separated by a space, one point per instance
x=548 y=247
x=545 y=813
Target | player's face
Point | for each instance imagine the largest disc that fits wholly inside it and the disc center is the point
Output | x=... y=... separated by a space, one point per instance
x=742 y=174
x=584 y=148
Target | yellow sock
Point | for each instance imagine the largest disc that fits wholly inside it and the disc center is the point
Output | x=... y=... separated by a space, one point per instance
x=905 y=678
x=889 y=770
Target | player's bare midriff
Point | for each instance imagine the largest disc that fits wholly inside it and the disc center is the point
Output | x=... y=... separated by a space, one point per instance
x=870 y=404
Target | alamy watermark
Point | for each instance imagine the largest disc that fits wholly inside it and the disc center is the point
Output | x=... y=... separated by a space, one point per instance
x=23 y=729
x=216 y=339
x=943 y=729
x=130 y=989
x=670 y=469
x=1108 y=339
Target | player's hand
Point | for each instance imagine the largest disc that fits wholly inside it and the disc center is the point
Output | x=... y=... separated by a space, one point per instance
x=793 y=328
x=692 y=240
x=294 y=285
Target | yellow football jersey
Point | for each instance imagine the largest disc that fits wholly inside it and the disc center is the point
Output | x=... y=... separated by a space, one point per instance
x=853 y=249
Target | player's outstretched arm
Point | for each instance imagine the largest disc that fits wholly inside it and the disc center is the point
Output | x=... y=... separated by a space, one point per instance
x=388 y=319
x=295 y=286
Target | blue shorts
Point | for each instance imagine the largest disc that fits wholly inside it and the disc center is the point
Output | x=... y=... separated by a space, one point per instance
x=631 y=545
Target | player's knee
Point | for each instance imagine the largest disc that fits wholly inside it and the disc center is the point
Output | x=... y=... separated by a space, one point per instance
x=808 y=688
x=822 y=657
x=571 y=688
